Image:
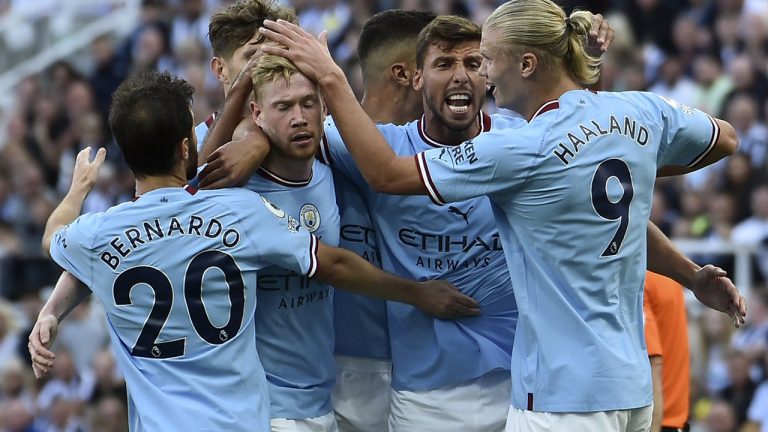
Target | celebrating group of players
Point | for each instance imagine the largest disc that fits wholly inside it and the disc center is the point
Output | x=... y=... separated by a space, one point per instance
x=528 y=234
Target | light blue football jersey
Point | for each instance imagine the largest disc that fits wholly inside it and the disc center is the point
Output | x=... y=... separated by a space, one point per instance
x=572 y=193
x=423 y=241
x=359 y=321
x=294 y=319
x=176 y=271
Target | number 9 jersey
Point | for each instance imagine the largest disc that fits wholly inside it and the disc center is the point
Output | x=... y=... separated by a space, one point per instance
x=176 y=272
x=571 y=194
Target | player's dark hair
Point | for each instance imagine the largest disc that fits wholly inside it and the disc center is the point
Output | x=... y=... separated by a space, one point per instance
x=150 y=115
x=232 y=27
x=389 y=28
x=446 y=31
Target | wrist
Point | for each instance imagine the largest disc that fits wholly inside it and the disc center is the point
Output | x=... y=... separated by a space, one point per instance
x=78 y=191
x=332 y=80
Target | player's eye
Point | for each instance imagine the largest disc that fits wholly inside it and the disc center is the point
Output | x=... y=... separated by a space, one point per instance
x=309 y=104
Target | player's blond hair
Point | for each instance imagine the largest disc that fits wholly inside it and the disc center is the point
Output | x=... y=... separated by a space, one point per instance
x=541 y=27
x=269 y=68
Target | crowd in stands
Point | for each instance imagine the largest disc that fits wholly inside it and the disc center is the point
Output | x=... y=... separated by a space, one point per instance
x=710 y=54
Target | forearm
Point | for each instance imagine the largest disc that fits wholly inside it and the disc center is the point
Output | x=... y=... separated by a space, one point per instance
x=658 y=395
x=347 y=271
x=665 y=259
x=67 y=294
x=379 y=165
x=225 y=123
x=65 y=213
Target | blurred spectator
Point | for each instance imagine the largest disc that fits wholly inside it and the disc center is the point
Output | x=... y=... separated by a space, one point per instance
x=110 y=416
x=61 y=402
x=752 y=339
x=108 y=72
x=190 y=23
x=674 y=84
x=720 y=418
x=748 y=79
x=716 y=331
x=713 y=85
x=742 y=113
x=740 y=179
x=757 y=415
x=754 y=230
x=83 y=335
x=109 y=380
x=739 y=392
x=9 y=334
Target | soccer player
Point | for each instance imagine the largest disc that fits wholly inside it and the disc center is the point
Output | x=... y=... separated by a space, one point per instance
x=666 y=336
x=234 y=37
x=184 y=335
x=571 y=194
x=361 y=397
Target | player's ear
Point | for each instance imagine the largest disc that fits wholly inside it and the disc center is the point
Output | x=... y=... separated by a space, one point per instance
x=256 y=113
x=218 y=67
x=528 y=63
x=184 y=149
x=400 y=74
x=418 y=79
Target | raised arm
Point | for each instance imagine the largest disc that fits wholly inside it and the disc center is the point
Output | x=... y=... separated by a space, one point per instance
x=83 y=179
x=234 y=146
x=348 y=271
x=67 y=294
x=379 y=165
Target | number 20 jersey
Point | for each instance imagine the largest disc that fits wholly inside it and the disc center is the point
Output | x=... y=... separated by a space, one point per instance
x=571 y=194
x=176 y=273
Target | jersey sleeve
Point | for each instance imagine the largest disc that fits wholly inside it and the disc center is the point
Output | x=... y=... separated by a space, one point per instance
x=72 y=247
x=495 y=161
x=652 y=340
x=279 y=239
x=688 y=134
x=333 y=151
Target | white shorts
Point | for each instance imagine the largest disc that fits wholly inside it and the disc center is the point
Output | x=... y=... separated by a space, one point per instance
x=362 y=395
x=325 y=423
x=477 y=405
x=631 y=420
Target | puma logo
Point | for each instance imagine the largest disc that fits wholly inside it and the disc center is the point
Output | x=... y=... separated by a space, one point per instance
x=443 y=152
x=465 y=216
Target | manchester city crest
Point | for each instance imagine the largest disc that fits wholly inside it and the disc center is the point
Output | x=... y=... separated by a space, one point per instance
x=310 y=217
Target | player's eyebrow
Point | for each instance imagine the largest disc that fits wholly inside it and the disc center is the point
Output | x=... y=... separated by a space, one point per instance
x=444 y=58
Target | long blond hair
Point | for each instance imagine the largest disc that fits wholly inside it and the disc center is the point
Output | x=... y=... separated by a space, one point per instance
x=541 y=27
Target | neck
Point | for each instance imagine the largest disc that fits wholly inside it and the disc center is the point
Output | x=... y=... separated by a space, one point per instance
x=388 y=104
x=542 y=91
x=288 y=168
x=150 y=183
x=438 y=131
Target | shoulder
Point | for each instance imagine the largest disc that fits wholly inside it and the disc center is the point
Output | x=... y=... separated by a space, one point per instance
x=500 y=121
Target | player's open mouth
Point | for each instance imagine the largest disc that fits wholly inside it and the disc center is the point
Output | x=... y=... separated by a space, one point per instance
x=490 y=88
x=458 y=103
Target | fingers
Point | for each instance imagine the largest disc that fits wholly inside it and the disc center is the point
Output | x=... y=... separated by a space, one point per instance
x=608 y=39
x=101 y=154
x=84 y=154
x=45 y=335
x=467 y=301
x=212 y=172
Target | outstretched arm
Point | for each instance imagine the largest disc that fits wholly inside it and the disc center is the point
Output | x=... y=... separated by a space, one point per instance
x=346 y=270
x=67 y=294
x=709 y=284
x=83 y=179
x=381 y=167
